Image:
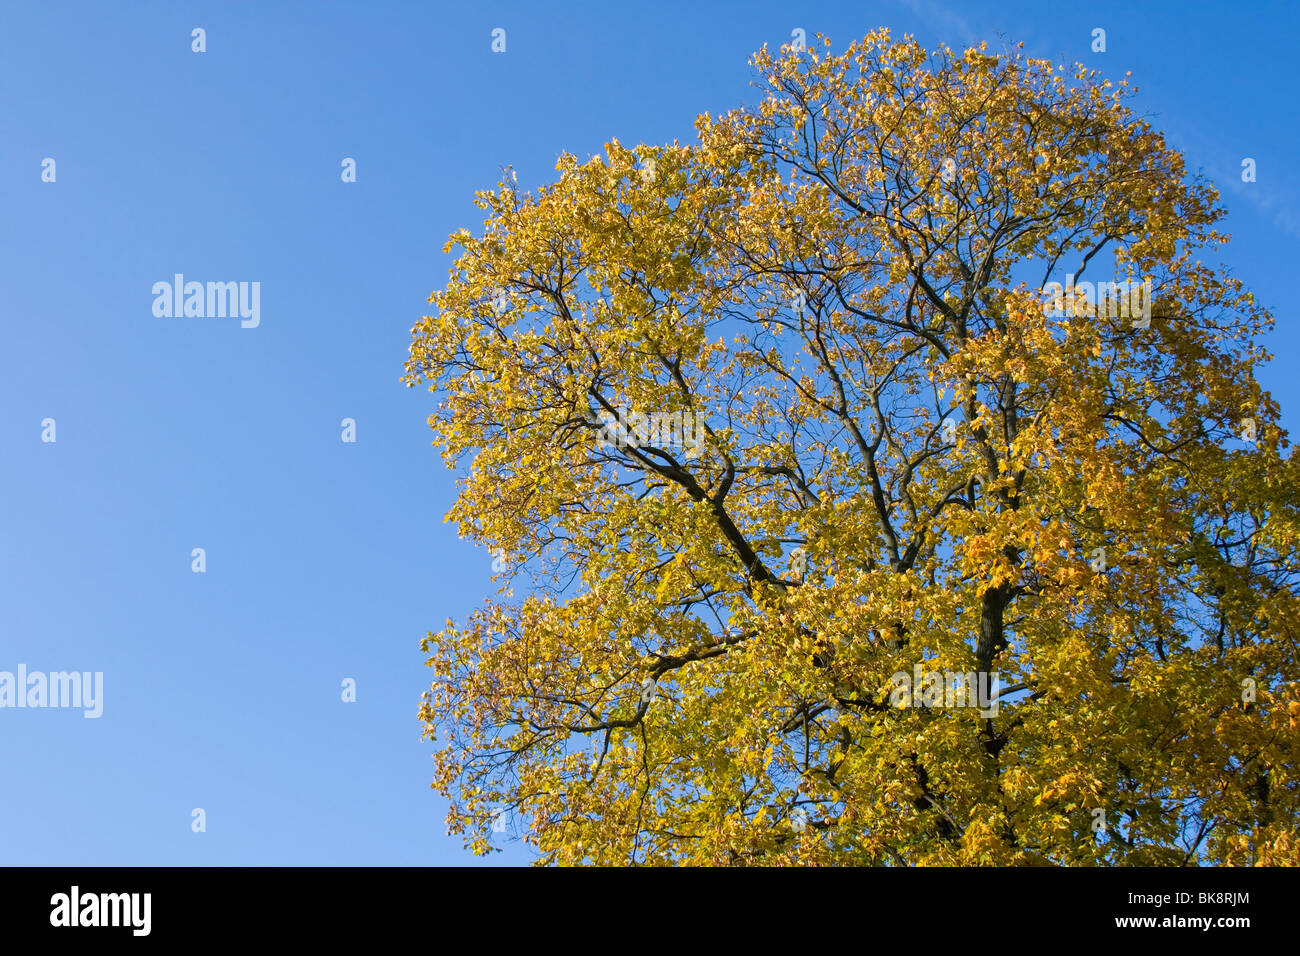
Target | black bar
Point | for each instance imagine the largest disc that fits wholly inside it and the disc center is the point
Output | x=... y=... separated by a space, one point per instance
x=906 y=906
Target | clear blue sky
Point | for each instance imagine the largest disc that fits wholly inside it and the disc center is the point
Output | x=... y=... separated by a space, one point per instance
x=328 y=560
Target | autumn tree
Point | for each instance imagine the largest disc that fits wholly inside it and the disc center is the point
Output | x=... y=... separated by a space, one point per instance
x=768 y=425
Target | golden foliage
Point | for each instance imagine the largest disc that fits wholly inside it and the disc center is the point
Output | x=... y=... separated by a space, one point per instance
x=826 y=280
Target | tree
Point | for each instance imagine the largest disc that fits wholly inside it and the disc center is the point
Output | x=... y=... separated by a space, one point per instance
x=788 y=429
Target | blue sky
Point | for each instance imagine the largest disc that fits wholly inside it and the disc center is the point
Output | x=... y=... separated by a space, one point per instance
x=328 y=560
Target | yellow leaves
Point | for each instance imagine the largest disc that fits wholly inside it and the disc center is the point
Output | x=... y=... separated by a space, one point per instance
x=658 y=281
x=677 y=568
